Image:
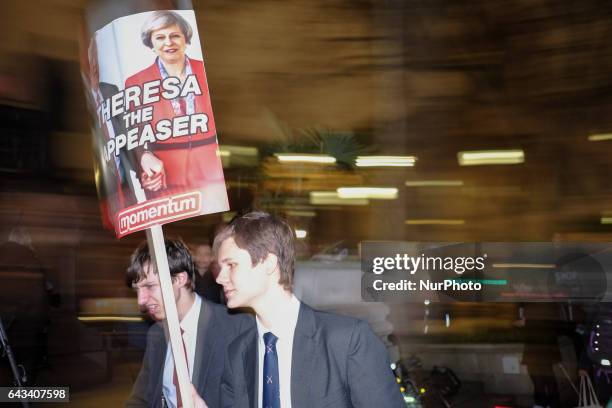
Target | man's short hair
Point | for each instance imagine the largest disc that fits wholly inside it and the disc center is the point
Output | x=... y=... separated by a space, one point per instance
x=164 y=18
x=260 y=234
x=179 y=260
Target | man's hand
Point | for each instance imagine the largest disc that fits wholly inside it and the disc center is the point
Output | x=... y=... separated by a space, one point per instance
x=153 y=176
x=198 y=402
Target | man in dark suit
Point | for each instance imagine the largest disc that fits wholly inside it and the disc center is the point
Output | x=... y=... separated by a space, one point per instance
x=205 y=284
x=206 y=328
x=112 y=176
x=295 y=356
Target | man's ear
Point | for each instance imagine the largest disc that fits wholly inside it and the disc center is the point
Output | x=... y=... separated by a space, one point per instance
x=271 y=263
x=181 y=279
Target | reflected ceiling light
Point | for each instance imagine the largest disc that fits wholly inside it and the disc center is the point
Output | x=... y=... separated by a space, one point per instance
x=110 y=319
x=238 y=156
x=484 y=157
x=300 y=213
x=379 y=193
x=523 y=265
x=434 y=221
x=331 y=198
x=434 y=183
x=606 y=219
x=227 y=150
x=228 y=216
x=300 y=233
x=305 y=158
x=385 y=161
x=600 y=137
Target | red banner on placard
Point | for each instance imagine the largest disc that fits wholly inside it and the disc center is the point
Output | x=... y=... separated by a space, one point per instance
x=155 y=141
x=160 y=211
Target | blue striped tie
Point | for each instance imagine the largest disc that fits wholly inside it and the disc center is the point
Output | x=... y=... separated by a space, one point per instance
x=271 y=390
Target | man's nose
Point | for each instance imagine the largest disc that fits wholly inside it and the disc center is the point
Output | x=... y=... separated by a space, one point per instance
x=142 y=297
x=222 y=276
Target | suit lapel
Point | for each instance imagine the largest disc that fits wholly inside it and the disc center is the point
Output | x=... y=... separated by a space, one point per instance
x=205 y=343
x=303 y=357
x=251 y=374
x=157 y=366
x=163 y=108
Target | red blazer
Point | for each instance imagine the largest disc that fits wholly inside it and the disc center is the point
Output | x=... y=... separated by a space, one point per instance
x=164 y=110
x=187 y=167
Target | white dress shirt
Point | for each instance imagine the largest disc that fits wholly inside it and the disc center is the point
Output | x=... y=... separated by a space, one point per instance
x=284 y=351
x=189 y=324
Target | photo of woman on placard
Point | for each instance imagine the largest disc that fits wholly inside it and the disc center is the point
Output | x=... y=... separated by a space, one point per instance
x=178 y=163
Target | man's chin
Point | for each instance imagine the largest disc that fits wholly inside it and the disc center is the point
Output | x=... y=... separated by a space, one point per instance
x=157 y=317
x=234 y=303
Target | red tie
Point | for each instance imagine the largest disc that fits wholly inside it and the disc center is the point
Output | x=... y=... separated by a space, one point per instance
x=179 y=401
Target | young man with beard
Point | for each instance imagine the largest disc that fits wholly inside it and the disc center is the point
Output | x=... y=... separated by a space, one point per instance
x=206 y=329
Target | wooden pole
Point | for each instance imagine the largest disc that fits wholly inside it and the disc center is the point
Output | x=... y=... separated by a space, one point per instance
x=157 y=249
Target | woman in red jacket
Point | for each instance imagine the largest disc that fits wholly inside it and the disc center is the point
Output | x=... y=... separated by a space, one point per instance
x=177 y=163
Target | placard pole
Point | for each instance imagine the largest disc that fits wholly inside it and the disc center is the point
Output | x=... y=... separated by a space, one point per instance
x=157 y=249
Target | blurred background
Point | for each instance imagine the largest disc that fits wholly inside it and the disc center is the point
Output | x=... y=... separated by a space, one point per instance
x=475 y=121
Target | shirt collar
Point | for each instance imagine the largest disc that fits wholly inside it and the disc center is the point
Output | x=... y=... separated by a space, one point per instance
x=164 y=73
x=287 y=327
x=190 y=322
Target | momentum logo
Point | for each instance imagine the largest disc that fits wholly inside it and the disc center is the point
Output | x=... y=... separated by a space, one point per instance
x=159 y=211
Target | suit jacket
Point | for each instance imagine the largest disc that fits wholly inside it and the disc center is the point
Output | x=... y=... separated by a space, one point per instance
x=185 y=166
x=216 y=328
x=337 y=362
x=207 y=287
x=112 y=182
